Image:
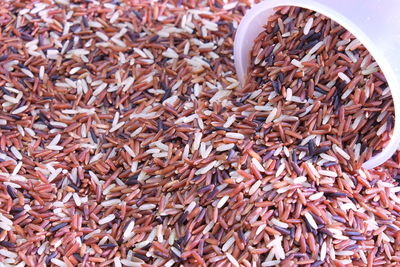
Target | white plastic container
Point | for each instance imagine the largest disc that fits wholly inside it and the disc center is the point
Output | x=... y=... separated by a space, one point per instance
x=376 y=23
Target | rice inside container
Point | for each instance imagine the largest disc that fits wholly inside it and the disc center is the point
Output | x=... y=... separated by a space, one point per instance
x=373 y=22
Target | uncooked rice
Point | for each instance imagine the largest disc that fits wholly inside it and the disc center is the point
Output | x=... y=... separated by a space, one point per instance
x=127 y=139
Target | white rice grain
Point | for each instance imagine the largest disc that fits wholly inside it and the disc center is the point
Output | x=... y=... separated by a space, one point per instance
x=160 y=155
x=357 y=121
x=327 y=157
x=328 y=173
x=315 y=48
x=16 y=153
x=345 y=262
x=94 y=178
x=136 y=132
x=308 y=26
x=176 y=251
x=41 y=72
x=55 y=140
x=169 y=263
x=17 y=168
x=27 y=72
x=106 y=219
x=279 y=223
x=254 y=187
x=147 y=207
x=289 y=94
x=260 y=228
x=191 y=206
x=186 y=48
x=42 y=248
x=235 y=136
x=128 y=234
x=313 y=170
x=271 y=115
x=299 y=180
x=99 y=89
x=58 y=262
x=117 y=262
x=209 y=226
x=130 y=151
x=127 y=83
x=232 y=259
x=280 y=169
x=225 y=147
x=263 y=108
x=270 y=263
x=381 y=129
x=381 y=116
x=354 y=44
x=323 y=251
x=258 y=165
x=77 y=199
x=185 y=153
x=278 y=151
x=228 y=244
x=316 y=196
x=20 y=109
x=170 y=53
x=311 y=220
x=102 y=36
x=344 y=253
x=60 y=124
x=229 y=121
x=4 y=226
x=116 y=127
x=55 y=148
x=74 y=70
x=196 y=142
x=8 y=254
x=296 y=63
x=363 y=257
x=111 y=202
x=190 y=118
x=344 y=77
x=341 y=152
x=160 y=145
x=222 y=202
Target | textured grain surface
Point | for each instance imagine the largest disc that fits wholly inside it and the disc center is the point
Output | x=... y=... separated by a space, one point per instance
x=125 y=140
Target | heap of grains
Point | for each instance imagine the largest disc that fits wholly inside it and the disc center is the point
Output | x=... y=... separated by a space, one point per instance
x=322 y=86
x=126 y=140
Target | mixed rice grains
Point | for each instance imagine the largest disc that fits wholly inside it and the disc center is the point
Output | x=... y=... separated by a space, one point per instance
x=126 y=139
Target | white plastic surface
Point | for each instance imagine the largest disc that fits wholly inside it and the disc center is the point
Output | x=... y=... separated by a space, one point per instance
x=376 y=23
